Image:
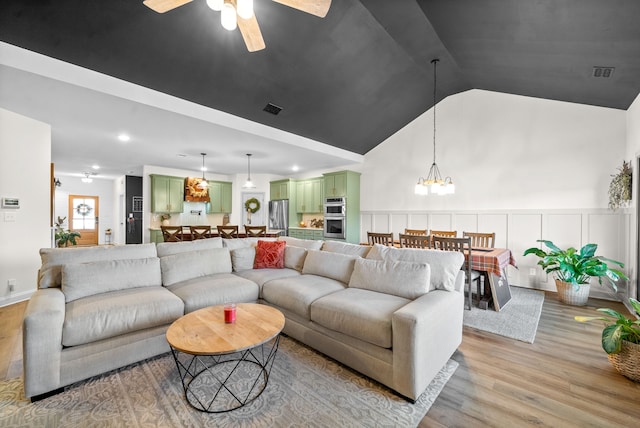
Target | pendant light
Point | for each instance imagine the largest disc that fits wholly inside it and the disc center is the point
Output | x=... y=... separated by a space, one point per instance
x=86 y=178
x=203 y=184
x=434 y=181
x=249 y=184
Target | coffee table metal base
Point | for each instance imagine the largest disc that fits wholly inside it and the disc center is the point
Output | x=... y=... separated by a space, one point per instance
x=221 y=383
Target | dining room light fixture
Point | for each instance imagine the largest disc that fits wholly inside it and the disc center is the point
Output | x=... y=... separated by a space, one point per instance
x=203 y=184
x=86 y=178
x=249 y=184
x=434 y=182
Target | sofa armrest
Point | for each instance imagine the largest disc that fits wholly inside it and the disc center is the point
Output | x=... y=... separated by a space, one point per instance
x=426 y=332
x=42 y=341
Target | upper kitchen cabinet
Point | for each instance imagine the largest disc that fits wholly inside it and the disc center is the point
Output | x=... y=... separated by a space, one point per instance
x=167 y=194
x=309 y=195
x=280 y=189
x=220 y=195
x=343 y=183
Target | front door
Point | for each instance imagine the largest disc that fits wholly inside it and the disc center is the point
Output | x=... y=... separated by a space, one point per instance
x=83 y=215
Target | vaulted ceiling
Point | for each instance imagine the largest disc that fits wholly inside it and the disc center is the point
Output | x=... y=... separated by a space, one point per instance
x=354 y=78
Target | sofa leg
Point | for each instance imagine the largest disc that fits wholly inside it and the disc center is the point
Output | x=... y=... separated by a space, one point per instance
x=46 y=395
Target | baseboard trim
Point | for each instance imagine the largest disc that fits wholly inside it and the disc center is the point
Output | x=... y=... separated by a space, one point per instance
x=15 y=298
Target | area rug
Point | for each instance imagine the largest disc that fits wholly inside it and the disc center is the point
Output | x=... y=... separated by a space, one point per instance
x=517 y=320
x=305 y=389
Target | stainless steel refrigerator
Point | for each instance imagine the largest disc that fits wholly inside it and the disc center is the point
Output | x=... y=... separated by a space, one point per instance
x=279 y=215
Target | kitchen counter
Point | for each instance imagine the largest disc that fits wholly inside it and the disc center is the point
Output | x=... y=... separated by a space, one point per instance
x=305 y=228
x=156 y=233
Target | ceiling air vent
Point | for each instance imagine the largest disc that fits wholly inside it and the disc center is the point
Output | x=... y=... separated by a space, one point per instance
x=272 y=108
x=605 y=72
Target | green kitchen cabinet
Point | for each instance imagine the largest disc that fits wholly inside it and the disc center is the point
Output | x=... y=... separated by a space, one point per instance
x=302 y=233
x=346 y=184
x=280 y=189
x=309 y=195
x=335 y=184
x=167 y=194
x=156 y=236
x=220 y=195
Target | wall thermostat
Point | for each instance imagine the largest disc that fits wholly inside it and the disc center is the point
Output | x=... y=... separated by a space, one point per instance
x=10 y=203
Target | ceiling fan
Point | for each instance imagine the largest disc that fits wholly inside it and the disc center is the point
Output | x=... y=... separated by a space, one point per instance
x=240 y=12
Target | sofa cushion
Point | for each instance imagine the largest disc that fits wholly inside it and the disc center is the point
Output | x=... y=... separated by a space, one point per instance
x=169 y=248
x=309 y=244
x=235 y=243
x=445 y=265
x=269 y=255
x=294 y=257
x=403 y=279
x=331 y=265
x=243 y=258
x=296 y=294
x=198 y=293
x=363 y=314
x=346 y=248
x=261 y=276
x=183 y=266
x=50 y=273
x=86 y=279
x=106 y=315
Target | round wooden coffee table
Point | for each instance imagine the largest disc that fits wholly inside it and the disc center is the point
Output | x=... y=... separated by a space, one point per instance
x=225 y=366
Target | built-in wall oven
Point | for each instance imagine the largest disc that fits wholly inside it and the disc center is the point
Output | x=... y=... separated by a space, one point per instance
x=335 y=218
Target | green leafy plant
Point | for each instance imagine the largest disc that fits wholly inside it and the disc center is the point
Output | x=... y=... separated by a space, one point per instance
x=618 y=328
x=620 y=187
x=577 y=267
x=64 y=237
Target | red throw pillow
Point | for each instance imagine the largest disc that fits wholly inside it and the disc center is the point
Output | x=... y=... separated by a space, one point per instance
x=269 y=255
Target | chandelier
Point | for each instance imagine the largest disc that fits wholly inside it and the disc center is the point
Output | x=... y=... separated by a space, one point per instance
x=434 y=182
x=249 y=184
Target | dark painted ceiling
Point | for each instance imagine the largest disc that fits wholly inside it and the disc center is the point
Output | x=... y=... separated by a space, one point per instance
x=356 y=77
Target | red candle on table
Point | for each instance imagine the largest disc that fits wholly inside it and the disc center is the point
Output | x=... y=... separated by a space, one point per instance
x=230 y=313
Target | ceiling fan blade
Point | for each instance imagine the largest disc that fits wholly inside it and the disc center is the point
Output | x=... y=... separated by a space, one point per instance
x=314 y=7
x=162 y=6
x=251 y=33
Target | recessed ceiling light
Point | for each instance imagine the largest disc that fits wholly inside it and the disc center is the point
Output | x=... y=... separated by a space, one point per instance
x=95 y=166
x=124 y=138
x=295 y=168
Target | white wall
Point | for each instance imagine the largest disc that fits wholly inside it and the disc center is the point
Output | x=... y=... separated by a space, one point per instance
x=525 y=168
x=100 y=187
x=633 y=155
x=25 y=159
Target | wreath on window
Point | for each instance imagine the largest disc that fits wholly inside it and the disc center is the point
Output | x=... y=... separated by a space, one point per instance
x=252 y=205
x=83 y=209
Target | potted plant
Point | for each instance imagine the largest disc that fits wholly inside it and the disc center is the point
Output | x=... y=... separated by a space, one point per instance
x=621 y=340
x=574 y=269
x=64 y=237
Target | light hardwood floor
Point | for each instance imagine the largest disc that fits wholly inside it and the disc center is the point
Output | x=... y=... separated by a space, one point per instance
x=562 y=380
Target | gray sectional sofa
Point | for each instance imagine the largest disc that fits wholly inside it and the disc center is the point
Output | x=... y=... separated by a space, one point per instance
x=394 y=315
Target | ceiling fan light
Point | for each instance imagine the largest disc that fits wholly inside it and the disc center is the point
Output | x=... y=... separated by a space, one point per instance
x=228 y=17
x=245 y=8
x=215 y=4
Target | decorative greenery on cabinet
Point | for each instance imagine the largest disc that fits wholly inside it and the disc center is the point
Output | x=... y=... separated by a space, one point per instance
x=220 y=193
x=167 y=194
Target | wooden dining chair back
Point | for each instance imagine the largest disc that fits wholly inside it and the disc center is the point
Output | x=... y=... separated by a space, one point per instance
x=414 y=241
x=380 y=238
x=172 y=233
x=445 y=233
x=255 y=230
x=481 y=240
x=200 y=232
x=420 y=232
x=228 y=231
x=462 y=245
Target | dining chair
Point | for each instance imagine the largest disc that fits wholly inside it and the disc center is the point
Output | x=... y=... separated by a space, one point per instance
x=445 y=233
x=255 y=230
x=172 y=233
x=200 y=232
x=415 y=232
x=462 y=245
x=481 y=240
x=228 y=231
x=408 y=240
x=380 y=238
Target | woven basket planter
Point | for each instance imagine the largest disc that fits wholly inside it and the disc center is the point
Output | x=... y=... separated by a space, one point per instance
x=627 y=361
x=568 y=294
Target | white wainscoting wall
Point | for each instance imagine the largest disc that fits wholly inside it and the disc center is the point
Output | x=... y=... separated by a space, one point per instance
x=519 y=230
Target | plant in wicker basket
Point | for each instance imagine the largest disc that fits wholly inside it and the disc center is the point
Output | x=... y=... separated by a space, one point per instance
x=621 y=339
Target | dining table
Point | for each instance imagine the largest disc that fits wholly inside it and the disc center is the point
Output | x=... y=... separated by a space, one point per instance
x=493 y=262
